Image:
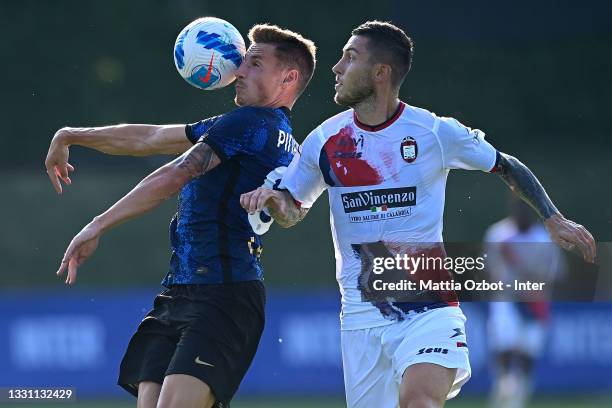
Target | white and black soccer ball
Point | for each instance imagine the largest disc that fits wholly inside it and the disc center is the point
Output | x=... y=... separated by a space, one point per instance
x=207 y=53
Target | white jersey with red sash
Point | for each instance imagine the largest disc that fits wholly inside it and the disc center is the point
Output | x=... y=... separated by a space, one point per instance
x=386 y=184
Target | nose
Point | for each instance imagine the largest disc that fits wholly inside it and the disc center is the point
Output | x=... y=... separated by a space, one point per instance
x=240 y=71
x=336 y=68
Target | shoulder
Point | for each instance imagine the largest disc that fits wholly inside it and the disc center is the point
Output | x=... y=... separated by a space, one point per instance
x=449 y=126
x=249 y=113
x=428 y=119
x=330 y=127
x=337 y=121
x=419 y=117
x=244 y=120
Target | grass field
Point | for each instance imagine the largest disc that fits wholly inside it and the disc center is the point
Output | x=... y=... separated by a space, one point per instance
x=466 y=402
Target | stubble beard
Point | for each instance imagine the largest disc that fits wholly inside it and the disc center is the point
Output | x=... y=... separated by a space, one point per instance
x=355 y=96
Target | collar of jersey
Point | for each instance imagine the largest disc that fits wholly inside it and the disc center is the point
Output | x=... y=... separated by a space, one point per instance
x=285 y=110
x=385 y=124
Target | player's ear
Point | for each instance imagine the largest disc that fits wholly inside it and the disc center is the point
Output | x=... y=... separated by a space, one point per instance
x=381 y=72
x=291 y=78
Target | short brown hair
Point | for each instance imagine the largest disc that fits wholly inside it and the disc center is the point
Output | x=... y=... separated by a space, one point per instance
x=388 y=44
x=292 y=50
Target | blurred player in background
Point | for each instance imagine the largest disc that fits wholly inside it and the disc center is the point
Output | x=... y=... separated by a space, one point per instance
x=519 y=248
x=384 y=164
x=195 y=346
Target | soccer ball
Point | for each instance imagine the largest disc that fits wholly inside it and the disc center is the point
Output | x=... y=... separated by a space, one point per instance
x=207 y=53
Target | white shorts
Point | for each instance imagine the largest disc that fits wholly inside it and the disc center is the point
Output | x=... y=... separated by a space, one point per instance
x=375 y=359
x=509 y=330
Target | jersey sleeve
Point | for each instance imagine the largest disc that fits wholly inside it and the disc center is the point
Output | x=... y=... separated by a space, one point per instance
x=464 y=148
x=194 y=131
x=303 y=178
x=241 y=131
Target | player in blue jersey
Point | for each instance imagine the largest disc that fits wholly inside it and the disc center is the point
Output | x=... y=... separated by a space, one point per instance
x=196 y=344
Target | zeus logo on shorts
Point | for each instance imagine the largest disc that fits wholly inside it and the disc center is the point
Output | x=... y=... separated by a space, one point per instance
x=433 y=350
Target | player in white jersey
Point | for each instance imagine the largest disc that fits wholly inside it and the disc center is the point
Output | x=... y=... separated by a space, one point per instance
x=384 y=164
x=518 y=247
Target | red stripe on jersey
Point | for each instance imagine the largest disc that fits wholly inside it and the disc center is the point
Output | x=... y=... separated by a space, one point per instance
x=383 y=125
x=346 y=163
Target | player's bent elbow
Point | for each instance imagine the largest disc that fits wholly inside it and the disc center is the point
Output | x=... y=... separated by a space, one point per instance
x=176 y=175
x=61 y=134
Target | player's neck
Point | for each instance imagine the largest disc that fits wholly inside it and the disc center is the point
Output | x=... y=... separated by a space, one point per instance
x=281 y=101
x=377 y=109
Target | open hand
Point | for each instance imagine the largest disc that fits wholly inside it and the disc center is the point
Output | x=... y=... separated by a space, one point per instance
x=82 y=246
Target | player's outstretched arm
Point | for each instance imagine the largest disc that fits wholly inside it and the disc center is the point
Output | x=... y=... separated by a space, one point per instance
x=148 y=194
x=132 y=140
x=564 y=232
x=281 y=206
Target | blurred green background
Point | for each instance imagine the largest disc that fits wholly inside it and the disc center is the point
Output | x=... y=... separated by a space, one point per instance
x=534 y=76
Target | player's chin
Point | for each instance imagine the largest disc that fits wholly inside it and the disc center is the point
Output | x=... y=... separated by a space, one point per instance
x=340 y=100
x=239 y=98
